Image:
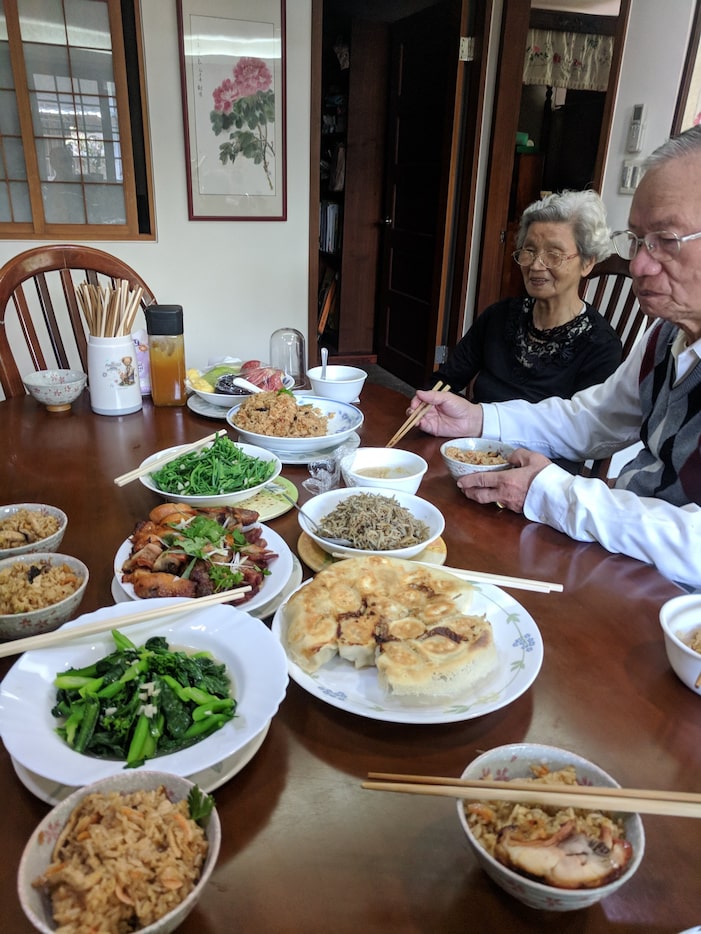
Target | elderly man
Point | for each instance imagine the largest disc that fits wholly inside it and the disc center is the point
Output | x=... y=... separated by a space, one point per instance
x=654 y=512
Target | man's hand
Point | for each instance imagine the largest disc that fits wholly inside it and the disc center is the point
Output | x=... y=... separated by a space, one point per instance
x=507 y=488
x=450 y=416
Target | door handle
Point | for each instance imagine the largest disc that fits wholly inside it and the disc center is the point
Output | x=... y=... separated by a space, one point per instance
x=388 y=222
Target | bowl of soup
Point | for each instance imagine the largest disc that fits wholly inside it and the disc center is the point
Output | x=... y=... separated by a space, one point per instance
x=384 y=468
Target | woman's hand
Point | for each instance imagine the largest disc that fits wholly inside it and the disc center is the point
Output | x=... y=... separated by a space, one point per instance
x=450 y=416
x=507 y=488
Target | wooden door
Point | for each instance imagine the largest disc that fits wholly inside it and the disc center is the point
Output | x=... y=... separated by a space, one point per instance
x=418 y=184
x=495 y=236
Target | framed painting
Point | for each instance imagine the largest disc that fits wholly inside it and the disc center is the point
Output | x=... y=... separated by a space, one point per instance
x=232 y=66
x=688 y=109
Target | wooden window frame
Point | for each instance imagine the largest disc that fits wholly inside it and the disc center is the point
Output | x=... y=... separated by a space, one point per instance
x=130 y=90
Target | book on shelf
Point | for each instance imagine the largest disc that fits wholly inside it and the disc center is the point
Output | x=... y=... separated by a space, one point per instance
x=329 y=227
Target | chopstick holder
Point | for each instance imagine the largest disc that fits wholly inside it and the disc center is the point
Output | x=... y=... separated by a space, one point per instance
x=59 y=636
x=166 y=459
x=628 y=800
x=415 y=416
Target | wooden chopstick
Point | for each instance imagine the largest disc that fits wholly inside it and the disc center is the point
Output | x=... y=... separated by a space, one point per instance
x=629 y=800
x=59 y=636
x=501 y=580
x=415 y=416
x=165 y=459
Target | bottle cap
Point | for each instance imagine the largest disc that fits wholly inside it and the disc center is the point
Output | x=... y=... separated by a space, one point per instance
x=164 y=319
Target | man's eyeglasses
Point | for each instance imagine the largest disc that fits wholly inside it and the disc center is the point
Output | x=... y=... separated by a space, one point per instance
x=662 y=245
x=551 y=259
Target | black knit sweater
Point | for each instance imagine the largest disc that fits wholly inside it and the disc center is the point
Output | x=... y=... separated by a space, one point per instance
x=512 y=360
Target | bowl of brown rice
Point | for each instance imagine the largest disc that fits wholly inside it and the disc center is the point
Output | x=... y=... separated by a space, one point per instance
x=470 y=455
x=30 y=527
x=120 y=854
x=576 y=856
x=39 y=592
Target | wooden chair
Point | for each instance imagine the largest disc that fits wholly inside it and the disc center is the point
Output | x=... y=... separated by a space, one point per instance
x=47 y=328
x=609 y=288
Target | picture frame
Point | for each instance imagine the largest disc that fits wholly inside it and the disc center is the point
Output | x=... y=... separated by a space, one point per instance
x=688 y=109
x=232 y=69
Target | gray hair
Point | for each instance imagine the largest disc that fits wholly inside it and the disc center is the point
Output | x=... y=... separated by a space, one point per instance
x=583 y=210
x=686 y=144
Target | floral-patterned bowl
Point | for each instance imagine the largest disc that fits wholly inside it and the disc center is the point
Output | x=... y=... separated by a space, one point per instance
x=514 y=761
x=38 y=852
x=56 y=389
x=47 y=618
x=30 y=530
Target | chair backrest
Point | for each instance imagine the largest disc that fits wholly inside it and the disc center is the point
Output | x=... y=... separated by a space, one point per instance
x=47 y=328
x=609 y=288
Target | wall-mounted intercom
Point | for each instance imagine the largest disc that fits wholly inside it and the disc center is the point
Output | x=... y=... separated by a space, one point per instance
x=636 y=128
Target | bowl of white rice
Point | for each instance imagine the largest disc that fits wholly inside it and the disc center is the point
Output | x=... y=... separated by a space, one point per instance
x=120 y=854
x=39 y=592
x=584 y=855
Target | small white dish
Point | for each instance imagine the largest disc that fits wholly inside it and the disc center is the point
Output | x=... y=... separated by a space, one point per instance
x=475 y=446
x=680 y=618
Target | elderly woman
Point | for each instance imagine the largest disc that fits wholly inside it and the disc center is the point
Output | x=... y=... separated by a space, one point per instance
x=551 y=343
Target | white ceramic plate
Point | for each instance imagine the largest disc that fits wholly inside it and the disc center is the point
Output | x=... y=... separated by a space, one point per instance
x=519 y=647
x=261 y=612
x=280 y=571
x=343 y=419
x=223 y=400
x=254 y=659
x=206 y=409
x=208 y=779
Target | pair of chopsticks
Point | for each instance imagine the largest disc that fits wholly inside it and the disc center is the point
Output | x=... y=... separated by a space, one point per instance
x=59 y=636
x=165 y=459
x=415 y=416
x=629 y=800
x=500 y=580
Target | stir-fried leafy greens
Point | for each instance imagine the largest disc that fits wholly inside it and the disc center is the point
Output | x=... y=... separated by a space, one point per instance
x=141 y=702
x=221 y=468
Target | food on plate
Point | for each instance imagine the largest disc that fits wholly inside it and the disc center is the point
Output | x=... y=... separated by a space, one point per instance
x=267 y=378
x=694 y=641
x=139 y=702
x=206 y=381
x=32 y=585
x=408 y=620
x=183 y=551
x=123 y=860
x=482 y=458
x=25 y=527
x=280 y=415
x=220 y=468
x=374 y=523
x=569 y=848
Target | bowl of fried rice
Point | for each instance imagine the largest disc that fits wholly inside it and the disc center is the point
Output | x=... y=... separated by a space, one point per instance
x=127 y=853
x=549 y=857
x=39 y=592
x=29 y=527
x=294 y=425
x=470 y=455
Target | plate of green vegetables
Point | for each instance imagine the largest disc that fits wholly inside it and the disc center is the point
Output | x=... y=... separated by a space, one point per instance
x=221 y=474
x=179 y=694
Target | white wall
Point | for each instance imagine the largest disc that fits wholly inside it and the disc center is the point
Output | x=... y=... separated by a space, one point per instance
x=653 y=60
x=237 y=281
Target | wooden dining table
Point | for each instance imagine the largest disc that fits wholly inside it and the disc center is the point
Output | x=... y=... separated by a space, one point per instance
x=305 y=848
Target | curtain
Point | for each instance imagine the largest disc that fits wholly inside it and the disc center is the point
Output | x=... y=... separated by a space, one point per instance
x=574 y=60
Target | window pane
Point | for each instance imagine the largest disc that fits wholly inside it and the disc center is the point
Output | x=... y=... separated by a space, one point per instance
x=14 y=158
x=42 y=21
x=5 y=217
x=9 y=118
x=6 y=79
x=105 y=204
x=88 y=24
x=19 y=198
x=63 y=203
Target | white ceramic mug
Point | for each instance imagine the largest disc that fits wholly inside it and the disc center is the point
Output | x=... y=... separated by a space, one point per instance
x=113 y=375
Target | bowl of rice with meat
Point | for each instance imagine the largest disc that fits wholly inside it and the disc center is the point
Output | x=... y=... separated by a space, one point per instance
x=549 y=857
x=293 y=424
x=680 y=619
x=386 y=522
x=132 y=852
x=30 y=527
x=470 y=455
x=39 y=592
